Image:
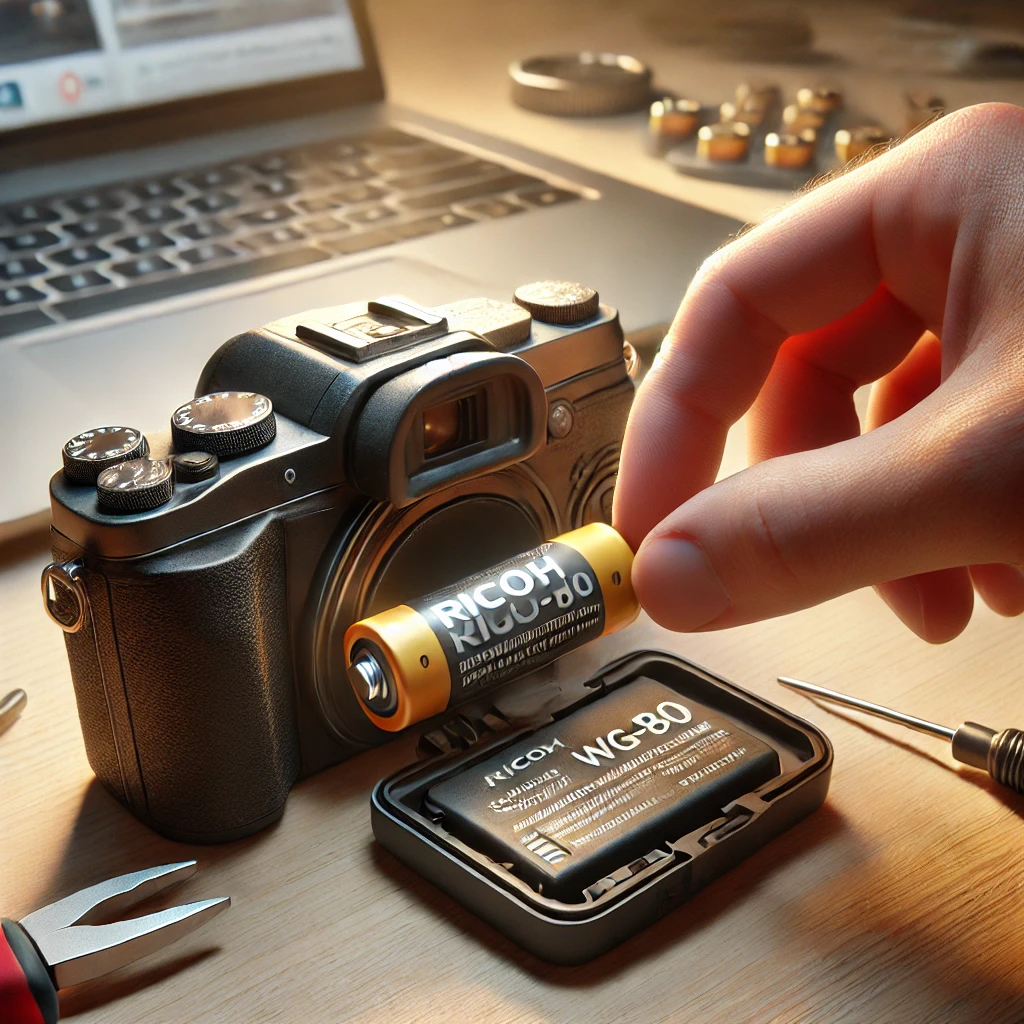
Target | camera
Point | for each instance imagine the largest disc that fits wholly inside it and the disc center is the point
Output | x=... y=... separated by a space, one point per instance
x=333 y=464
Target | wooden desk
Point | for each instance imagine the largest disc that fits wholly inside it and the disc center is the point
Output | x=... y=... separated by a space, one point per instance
x=899 y=901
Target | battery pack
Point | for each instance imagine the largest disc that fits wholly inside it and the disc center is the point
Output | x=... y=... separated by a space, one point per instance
x=603 y=787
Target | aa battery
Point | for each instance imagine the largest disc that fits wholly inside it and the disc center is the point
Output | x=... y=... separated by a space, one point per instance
x=418 y=659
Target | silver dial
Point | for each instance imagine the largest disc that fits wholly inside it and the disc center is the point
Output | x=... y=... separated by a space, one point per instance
x=225 y=423
x=135 y=486
x=86 y=454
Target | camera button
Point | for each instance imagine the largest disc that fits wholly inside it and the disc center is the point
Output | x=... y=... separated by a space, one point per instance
x=557 y=302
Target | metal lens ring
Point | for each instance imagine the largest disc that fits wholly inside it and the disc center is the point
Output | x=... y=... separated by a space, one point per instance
x=64 y=595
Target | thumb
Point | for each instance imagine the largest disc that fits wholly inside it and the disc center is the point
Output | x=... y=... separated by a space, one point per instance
x=923 y=493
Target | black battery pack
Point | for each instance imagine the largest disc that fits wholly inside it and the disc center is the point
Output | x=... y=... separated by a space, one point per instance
x=602 y=787
x=625 y=794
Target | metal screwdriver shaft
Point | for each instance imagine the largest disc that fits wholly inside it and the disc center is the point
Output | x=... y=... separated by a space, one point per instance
x=1001 y=754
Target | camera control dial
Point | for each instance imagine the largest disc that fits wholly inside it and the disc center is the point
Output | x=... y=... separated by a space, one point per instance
x=86 y=454
x=135 y=486
x=557 y=302
x=226 y=423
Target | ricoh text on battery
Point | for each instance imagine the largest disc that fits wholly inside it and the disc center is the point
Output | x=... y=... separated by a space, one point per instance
x=416 y=660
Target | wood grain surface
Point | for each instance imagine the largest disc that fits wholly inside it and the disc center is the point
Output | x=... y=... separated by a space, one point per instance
x=901 y=900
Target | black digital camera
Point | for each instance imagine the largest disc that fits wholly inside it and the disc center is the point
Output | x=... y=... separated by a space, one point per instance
x=335 y=463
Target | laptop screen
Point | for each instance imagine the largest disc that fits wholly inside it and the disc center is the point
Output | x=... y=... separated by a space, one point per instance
x=62 y=59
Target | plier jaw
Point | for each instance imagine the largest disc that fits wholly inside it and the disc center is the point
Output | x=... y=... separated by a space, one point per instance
x=58 y=945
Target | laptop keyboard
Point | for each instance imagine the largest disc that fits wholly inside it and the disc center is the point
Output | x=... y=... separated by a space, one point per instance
x=76 y=255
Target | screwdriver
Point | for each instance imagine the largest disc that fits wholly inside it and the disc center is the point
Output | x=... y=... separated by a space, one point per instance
x=1001 y=754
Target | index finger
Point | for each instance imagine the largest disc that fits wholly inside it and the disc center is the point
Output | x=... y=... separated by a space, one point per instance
x=894 y=220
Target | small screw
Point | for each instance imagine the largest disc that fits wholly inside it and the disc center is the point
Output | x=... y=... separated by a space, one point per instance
x=616 y=578
x=289 y=476
x=560 y=420
x=424 y=661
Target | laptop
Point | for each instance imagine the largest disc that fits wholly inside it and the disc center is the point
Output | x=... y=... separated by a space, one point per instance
x=173 y=172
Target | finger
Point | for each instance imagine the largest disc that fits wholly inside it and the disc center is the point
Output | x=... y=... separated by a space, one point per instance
x=936 y=605
x=1000 y=586
x=926 y=492
x=916 y=377
x=897 y=219
x=807 y=400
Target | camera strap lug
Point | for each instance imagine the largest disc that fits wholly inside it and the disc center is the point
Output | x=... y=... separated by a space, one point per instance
x=66 y=577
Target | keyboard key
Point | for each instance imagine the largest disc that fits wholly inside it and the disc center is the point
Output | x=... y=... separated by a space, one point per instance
x=268 y=215
x=213 y=177
x=319 y=205
x=146 y=242
x=491 y=208
x=25 y=267
x=353 y=170
x=453 y=172
x=157 y=213
x=346 y=150
x=79 y=281
x=273 y=163
x=143 y=266
x=95 y=227
x=207 y=254
x=20 y=293
x=279 y=236
x=23 y=322
x=214 y=202
x=29 y=240
x=79 y=254
x=276 y=188
x=545 y=196
x=31 y=213
x=357 y=194
x=445 y=197
x=157 y=189
x=323 y=225
x=429 y=225
x=425 y=156
x=201 y=230
x=118 y=298
x=95 y=202
x=371 y=214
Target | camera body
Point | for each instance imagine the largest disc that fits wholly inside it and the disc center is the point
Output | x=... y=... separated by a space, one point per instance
x=412 y=447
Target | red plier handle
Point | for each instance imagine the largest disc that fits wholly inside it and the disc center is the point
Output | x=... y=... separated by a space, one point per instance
x=27 y=992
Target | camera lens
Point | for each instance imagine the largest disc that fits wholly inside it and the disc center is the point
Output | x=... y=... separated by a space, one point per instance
x=452 y=425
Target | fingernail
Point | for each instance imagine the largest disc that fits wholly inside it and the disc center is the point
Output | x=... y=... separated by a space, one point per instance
x=677 y=585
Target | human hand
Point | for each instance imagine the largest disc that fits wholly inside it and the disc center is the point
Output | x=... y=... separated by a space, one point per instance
x=853 y=283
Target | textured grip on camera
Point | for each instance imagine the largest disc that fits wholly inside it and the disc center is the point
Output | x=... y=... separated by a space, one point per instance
x=203 y=657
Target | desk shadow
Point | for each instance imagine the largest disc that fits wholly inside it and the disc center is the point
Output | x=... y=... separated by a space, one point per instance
x=975 y=776
x=126 y=982
x=681 y=923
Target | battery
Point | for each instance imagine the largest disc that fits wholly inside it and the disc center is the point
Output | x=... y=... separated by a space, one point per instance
x=603 y=787
x=418 y=659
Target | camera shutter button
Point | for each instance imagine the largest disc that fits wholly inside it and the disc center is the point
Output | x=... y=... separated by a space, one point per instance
x=190 y=467
x=557 y=302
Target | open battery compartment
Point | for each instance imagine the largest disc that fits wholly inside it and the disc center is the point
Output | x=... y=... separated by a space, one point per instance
x=638 y=892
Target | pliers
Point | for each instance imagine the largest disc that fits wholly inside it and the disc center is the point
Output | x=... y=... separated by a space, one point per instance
x=57 y=945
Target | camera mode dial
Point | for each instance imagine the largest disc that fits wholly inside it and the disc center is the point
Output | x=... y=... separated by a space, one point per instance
x=557 y=302
x=92 y=451
x=226 y=423
x=135 y=486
